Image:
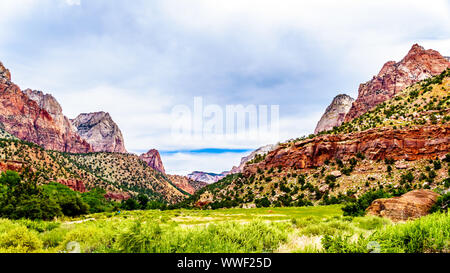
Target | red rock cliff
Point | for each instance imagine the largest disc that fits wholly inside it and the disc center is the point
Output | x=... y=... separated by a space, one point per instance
x=153 y=159
x=417 y=65
x=409 y=144
x=29 y=118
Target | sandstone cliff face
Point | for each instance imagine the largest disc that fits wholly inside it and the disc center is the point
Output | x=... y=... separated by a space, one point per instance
x=99 y=130
x=153 y=159
x=335 y=113
x=379 y=143
x=74 y=184
x=24 y=118
x=417 y=65
x=410 y=205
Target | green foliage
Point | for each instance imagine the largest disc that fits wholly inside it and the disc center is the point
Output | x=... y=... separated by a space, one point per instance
x=442 y=204
x=150 y=237
x=437 y=164
x=96 y=200
x=130 y=204
x=262 y=202
x=359 y=206
x=25 y=199
x=20 y=240
x=70 y=201
x=427 y=234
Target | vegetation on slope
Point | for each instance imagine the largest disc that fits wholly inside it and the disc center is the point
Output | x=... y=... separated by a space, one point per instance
x=112 y=172
x=426 y=102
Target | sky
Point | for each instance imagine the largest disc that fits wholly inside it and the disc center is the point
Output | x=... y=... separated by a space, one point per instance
x=138 y=59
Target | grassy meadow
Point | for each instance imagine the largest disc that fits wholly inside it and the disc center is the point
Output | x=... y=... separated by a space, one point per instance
x=294 y=229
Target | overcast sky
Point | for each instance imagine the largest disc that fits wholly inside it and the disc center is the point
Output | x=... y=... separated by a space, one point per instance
x=138 y=59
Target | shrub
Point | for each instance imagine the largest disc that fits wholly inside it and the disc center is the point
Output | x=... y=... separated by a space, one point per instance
x=96 y=200
x=330 y=179
x=20 y=240
x=262 y=202
x=24 y=199
x=442 y=204
x=358 y=207
x=437 y=164
x=426 y=234
x=70 y=201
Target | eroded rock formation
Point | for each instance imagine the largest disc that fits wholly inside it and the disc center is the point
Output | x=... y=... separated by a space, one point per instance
x=186 y=184
x=335 y=113
x=74 y=184
x=99 y=130
x=153 y=159
x=28 y=119
x=379 y=143
x=410 y=205
x=417 y=65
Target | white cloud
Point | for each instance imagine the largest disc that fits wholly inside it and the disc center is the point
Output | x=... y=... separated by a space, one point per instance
x=137 y=59
x=185 y=163
x=73 y=2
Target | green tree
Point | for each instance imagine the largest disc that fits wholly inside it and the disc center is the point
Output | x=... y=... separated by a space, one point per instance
x=23 y=198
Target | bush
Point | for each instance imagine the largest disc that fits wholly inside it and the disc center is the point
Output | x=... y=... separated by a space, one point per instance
x=262 y=202
x=20 y=240
x=96 y=200
x=424 y=235
x=24 y=199
x=358 y=207
x=70 y=201
x=442 y=204
x=437 y=164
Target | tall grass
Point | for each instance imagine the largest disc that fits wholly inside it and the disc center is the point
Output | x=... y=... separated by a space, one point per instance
x=256 y=236
x=427 y=234
x=158 y=232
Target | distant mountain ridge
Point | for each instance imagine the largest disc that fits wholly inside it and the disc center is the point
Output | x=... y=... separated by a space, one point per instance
x=214 y=177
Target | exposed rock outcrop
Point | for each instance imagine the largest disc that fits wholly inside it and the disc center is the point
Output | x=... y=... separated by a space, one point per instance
x=417 y=65
x=261 y=151
x=186 y=184
x=74 y=184
x=12 y=165
x=410 y=205
x=99 y=130
x=379 y=143
x=335 y=113
x=117 y=196
x=24 y=118
x=4 y=73
x=153 y=159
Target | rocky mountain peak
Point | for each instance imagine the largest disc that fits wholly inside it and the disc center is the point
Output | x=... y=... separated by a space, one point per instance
x=51 y=105
x=417 y=65
x=153 y=159
x=35 y=117
x=4 y=73
x=100 y=131
x=335 y=113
